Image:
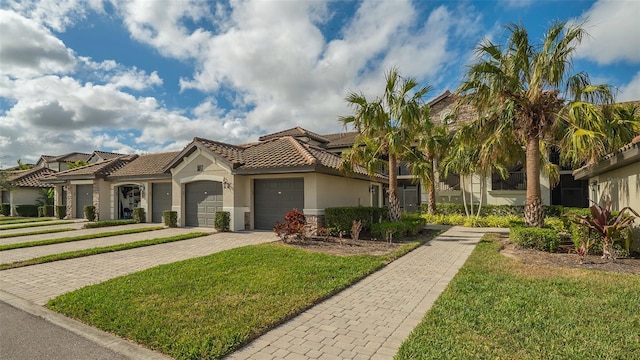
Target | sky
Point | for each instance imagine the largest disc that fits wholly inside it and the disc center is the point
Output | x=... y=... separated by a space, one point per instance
x=146 y=76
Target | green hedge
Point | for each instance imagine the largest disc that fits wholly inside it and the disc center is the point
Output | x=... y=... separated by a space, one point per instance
x=61 y=211
x=107 y=223
x=408 y=227
x=26 y=210
x=170 y=218
x=222 y=220
x=90 y=212
x=138 y=215
x=5 y=209
x=45 y=211
x=341 y=218
x=495 y=210
x=535 y=238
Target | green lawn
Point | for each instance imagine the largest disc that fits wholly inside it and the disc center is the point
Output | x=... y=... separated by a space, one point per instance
x=34 y=224
x=21 y=220
x=497 y=308
x=204 y=308
x=36 y=232
x=99 y=250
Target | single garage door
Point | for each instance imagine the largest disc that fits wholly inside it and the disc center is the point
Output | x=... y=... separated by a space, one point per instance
x=273 y=198
x=160 y=200
x=84 y=197
x=202 y=200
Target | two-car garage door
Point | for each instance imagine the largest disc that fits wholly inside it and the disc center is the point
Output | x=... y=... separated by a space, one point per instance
x=202 y=200
x=273 y=198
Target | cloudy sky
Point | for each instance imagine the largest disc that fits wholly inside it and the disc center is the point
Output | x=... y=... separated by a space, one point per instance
x=149 y=75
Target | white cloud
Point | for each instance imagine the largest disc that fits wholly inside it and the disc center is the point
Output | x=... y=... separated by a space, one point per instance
x=631 y=90
x=614 y=32
x=55 y=14
x=28 y=49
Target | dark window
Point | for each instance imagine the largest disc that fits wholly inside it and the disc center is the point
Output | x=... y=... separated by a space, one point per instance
x=515 y=180
x=452 y=182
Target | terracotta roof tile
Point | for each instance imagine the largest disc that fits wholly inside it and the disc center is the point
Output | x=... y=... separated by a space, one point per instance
x=35 y=177
x=295 y=132
x=99 y=169
x=107 y=155
x=231 y=153
x=147 y=164
x=70 y=157
x=340 y=140
x=285 y=152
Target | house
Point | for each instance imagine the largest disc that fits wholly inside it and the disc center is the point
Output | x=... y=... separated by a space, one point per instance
x=257 y=183
x=23 y=187
x=615 y=178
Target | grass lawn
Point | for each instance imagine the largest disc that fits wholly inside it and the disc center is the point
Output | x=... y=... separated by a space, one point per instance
x=20 y=220
x=78 y=238
x=99 y=250
x=206 y=307
x=35 y=224
x=497 y=308
x=37 y=232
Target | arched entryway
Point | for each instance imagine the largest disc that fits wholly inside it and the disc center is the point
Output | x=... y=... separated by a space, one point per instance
x=128 y=198
x=202 y=200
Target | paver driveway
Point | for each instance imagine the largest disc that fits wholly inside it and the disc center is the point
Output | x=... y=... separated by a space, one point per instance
x=39 y=283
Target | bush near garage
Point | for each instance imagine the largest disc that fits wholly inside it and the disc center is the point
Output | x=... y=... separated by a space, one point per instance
x=170 y=218
x=222 y=221
x=90 y=212
x=26 y=210
x=60 y=211
x=139 y=215
x=5 y=209
x=340 y=219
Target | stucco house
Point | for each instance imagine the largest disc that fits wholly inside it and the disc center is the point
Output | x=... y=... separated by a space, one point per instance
x=256 y=183
x=24 y=186
x=616 y=178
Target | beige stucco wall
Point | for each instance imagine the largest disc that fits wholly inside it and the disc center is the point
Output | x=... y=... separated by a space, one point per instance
x=212 y=170
x=334 y=191
x=23 y=196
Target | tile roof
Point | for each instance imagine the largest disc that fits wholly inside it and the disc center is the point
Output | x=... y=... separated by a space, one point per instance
x=99 y=169
x=145 y=165
x=295 y=132
x=106 y=155
x=70 y=157
x=231 y=153
x=339 y=140
x=35 y=177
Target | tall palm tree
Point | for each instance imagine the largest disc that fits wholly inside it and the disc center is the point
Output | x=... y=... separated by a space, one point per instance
x=387 y=128
x=526 y=92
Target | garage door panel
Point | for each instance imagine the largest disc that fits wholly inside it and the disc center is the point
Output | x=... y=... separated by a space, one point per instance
x=160 y=200
x=273 y=198
x=84 y=197
x=202 y=200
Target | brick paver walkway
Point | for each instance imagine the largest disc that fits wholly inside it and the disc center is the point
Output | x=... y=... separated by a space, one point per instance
x=371 y=319
x=39 y=283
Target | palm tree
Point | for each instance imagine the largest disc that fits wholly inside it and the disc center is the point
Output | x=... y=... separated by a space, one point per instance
x=387 y=128
x=526 y=93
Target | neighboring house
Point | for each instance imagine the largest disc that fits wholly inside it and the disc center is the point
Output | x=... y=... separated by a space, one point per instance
x=59 y=163
x=24 y=186
x=615 y=178
x=256 y=183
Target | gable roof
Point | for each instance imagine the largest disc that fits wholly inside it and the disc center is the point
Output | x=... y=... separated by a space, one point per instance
x=70 y=157
x=95 y=170
x=145 y=165
x=295 y=132
x=31 y=178
x=106 y=155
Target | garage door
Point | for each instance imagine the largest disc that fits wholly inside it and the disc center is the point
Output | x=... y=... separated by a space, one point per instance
x=202 y=200
x=273 y=198
x=84 y=197
x=160 y=200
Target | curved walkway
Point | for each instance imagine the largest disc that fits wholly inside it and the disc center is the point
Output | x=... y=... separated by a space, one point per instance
x=371 y=319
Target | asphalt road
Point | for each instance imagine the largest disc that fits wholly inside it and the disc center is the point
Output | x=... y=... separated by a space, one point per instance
x=19 y=330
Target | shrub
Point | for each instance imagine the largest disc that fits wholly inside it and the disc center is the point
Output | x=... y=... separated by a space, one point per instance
x=341 y=218
x=170 y=218
x=555 y=223
x=294 y=225
x=40 y=211
x=106 y=223
x=139 y=215
x=45 y=211
x=26 y=210
x=61 y=211
x=5 y=209
x=535 y=238
x=90 y=212
x=389 y=230
x=222 y=220
x=495 y=210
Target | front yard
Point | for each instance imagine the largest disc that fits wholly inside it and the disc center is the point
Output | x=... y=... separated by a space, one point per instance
x=497 y=307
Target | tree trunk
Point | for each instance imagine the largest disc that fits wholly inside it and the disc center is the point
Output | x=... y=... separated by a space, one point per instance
x=394 y=204
x=464 y=198
x=482 y=187
x=533 y=209
x=431 y=186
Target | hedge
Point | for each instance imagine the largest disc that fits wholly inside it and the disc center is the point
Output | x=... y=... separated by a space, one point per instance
x=139 y=215
x=535 y=238
x=90 y=212
x=341 y=218
x=222 y=220
x=26 y=210
x=496 y=210
x=107 y=223
x=45 y=211
x=61 y=211
x=409 y=227
x=170 y=218
x=5 y=209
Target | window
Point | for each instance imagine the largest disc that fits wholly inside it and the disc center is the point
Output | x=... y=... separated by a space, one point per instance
x=515 y=180
x=199 y=167
x=452 y=182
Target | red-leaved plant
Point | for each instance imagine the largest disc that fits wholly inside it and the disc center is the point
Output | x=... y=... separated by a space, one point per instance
x=294 y=225
x=604 y=224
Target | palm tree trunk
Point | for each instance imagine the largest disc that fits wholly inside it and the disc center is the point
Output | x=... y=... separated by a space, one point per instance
x=482 y=186
x=394 y=204
x=431 y=202
x=533 y=209
x=464 y=197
